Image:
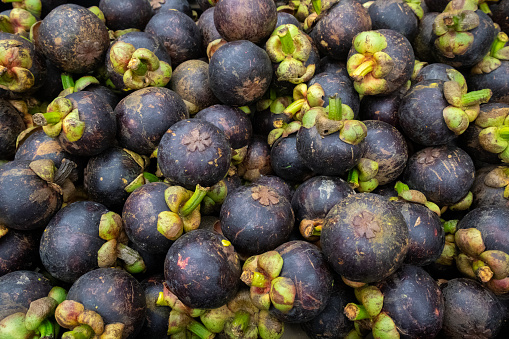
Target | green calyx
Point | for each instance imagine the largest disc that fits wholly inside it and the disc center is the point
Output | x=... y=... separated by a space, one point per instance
x=13 y=327
x=495 y=140
x=498 y=178
x=15 y=64
x=18 y=22
x=283 y=130
x=369 y=42
x=384 y=327
x=409 y=195
x=70 y=86
x=32 y=6
x=452 y=31
x=305 y=98
x=362 y=177
x=54 y=119
x=470 y=242
x=415 y=6
x=368 y=69
x=499 y=51
x=140 y=67
x=464 y=203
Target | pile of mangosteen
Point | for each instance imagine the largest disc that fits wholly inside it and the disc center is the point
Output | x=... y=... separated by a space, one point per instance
x=247 y=169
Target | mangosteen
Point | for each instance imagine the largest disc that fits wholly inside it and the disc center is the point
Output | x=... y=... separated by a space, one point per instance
x=202 y=269
x=340 y=86
x=270 y=113
x=256 y=219
x=142 y=212
x=488 y=187
x=207 y=27
x=398 y=15
x=190 y=80
x=434 y=112
x=156 y=318
x=252 y=20
x=443 y=174
x=179 y=34
x=83 y=236
x=11 y=125
x=313 y=199
x=122 y=14
x=194 y=152
x=112 y=294
x=286 y=161
x=145 y=115
x=425 y=37
x=31 y=192
x=240 y=72
x=364 y=238
x=136 y=60
x=73 y=38
x=470 y=309
x=383 y=108
x=334 y=32
x=380 y=61
x=464 y=35
x=83 y=123
x=499 y=13
x=438 y=71
x=111 y=176
x=168 y=5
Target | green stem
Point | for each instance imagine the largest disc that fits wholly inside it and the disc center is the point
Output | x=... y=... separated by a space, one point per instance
x=48 y=118
x=499 y=43
x=364 y=69
x=67 y=81
x=356 y=312
x=353 y=177
x=9 y=1
x=503 y=132
x=335 y=108
x=194 y=201
x=286 y=41
x=200 y=330
x=294 y=107
x=272 y=94
x=317 y=6
x=241 y=321
x=138 y=67
x=476 y=97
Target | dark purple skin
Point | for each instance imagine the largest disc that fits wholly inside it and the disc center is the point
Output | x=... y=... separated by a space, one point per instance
x=257 y=160
x=470 y=310
x=27 y=202
x=263 y=120
x=202 y=269
x=278 y=184
x=154 y=263
x=240 y=73
x=190 y=80
x=138 y=40
x=345 y=234
x=443 y=174
x=305 y=265
x=207 y=28
x=383 y=108
x=483 y=34
x=413 y=300
x=179 y=34
x=339 y=85
x=387 y=146
x=499 y=14
x=436 y=5
x=194 y=152
x=395 y=15
x=286 y=18
x=497 y=80
x=19 y=251
x=436 y=71
x=485 y=195
x=145 y=115
x=252 y=20
x=38 y=145
x=62 y=34
x=108 y=174
x=115 y=295
x=232 y=121
x=256 y=219
x=425 y=231
x=168 y=5
x=52 y=84
x=140 y=217
x=314 y=198
x=49 y=5
x=425 y=38
x=491 y=221
x=18 y=289
x=332 y=322
x=330 y=65
x=71 y=240
x=100 y=127
x=106 y=93
x=286 y=161
x=156 y=318
x=327 y=155
x=420 y=114
x=334 y=33
x=122 y=14
x=11 y=124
